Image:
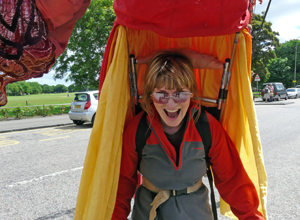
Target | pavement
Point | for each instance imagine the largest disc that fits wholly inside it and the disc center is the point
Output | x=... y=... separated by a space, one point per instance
x=60 y=120
x=34 y=123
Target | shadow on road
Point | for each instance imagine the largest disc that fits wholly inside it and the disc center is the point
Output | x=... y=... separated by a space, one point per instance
x=70 y=213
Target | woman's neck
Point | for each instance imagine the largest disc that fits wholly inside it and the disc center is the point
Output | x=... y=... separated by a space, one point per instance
x=171 y=130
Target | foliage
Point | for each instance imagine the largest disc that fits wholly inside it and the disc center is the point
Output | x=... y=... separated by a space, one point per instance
x=47 y=89
x=263 y=43
x=288 y=50
x=60 y=88
x=47 y=111
x=4 y=112
x=280 y=71
x=12 y=89
x=83 y=56
x=24 y=87
x=62 y=109
x=37 y=111
x=35 y=87
x=19 y=112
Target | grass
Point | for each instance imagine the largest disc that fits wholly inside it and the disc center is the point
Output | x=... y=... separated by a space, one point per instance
x=40 y=99
x=17 y=104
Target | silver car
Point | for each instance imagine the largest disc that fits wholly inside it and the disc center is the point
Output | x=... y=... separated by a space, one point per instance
x=293 y=92
x=84 y=106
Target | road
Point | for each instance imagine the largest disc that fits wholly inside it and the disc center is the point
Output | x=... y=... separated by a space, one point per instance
x=40 y=172
x=40 y=169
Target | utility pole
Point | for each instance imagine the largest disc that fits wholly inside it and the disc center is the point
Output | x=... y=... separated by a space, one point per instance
x=295 y=64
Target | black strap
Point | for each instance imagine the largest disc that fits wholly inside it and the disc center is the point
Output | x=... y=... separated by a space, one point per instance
x=142 y=134
x=203 y=128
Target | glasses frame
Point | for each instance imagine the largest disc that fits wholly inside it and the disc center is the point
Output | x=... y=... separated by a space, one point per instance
x=174 y=96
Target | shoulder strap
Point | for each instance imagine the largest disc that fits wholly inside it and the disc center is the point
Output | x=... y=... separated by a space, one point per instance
x=142 y=134
x=203 y=128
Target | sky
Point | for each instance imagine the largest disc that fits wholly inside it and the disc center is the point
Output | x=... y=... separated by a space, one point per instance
x=284 y=15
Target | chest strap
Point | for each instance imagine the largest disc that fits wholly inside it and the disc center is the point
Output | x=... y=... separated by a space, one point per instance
x=164 y=194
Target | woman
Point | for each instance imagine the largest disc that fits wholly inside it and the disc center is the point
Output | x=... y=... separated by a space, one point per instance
x=173 y=157
x=267 y=93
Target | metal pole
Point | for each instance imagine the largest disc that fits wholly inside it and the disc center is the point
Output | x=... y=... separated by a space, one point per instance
x=295 y=64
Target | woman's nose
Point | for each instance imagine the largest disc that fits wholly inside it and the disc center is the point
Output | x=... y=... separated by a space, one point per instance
x=171 y=102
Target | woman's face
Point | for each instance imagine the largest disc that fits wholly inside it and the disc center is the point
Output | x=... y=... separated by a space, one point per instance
x=172 y=112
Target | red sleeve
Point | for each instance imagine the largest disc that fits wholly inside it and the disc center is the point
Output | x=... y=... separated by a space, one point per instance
x=128 y=179
x=230 y=177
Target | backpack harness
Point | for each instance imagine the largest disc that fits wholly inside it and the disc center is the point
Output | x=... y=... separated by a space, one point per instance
x=202 y=126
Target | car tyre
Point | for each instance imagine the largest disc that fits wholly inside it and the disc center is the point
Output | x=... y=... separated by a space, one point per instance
x=286 y=97
x=93 y=119
x=77 y=122
x=296 y=96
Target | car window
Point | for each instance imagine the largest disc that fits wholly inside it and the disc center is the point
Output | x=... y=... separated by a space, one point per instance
x=280 y=87
x=82 y=97
x=96 y=96
x=290 y=90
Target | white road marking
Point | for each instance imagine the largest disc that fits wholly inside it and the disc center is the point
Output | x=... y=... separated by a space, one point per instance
x=43 y=177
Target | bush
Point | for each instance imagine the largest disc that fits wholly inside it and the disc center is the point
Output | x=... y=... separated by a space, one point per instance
x=4 y=112
x=62 y=109
x=37 y=111
x=47 y=110
x=19 y=112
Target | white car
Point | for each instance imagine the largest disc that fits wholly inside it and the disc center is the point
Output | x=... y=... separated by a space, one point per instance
x=84 y=106
x=293 y=92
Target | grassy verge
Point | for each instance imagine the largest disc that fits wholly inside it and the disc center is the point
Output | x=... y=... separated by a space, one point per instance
x=33 y=111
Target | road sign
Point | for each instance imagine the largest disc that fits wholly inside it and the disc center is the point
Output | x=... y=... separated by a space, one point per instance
x=257 y=78
x=294 y=81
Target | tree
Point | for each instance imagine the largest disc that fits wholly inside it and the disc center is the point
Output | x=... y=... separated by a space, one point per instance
x=287 y=50
x=47 y=89
x=83 y=56
x=12 y=89
x=24 y=87
x=280 y=71
x=263 y=44
x=60 y=88
x=36 y=87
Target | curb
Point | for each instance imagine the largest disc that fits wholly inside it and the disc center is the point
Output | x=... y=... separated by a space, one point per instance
x=32 y=128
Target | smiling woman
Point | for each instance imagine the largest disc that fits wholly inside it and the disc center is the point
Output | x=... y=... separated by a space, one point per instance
x=173 y=160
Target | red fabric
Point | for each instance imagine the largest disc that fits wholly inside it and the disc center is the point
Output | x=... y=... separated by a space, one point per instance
x=106 y=55
x=230 y=178
x=185 y=18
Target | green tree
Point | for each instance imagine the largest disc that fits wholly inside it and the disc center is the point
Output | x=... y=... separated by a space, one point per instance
x=263 y=44
x=280 y=71
x=24 y=87
x=288 y=50
x=12 y=89
x=83 y=56
x=72 y=88
x=60 y=88
x=36 y=87
x=47 y=89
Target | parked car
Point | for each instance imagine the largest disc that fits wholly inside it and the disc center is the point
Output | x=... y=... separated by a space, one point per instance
x=293 y=92
x=297 y=86
x=84 y=106
x=279 y=91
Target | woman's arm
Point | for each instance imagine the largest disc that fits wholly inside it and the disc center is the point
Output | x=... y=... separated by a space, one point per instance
x=230 y=177
x=127 y=181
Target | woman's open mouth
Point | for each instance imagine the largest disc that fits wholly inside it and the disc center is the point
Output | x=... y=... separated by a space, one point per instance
x=172 y=113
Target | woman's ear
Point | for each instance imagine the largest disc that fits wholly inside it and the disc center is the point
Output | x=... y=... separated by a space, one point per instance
x=192 y=95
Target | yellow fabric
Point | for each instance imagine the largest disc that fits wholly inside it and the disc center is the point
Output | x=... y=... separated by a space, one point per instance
x=101 y=170
x=98 y=187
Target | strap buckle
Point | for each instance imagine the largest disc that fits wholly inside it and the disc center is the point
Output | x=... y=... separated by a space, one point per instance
x=174 y=192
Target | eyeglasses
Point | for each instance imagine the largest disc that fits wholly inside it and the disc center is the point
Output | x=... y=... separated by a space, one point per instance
x=163 y=98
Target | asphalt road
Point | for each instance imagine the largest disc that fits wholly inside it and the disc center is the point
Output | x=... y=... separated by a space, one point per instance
x=40 y=169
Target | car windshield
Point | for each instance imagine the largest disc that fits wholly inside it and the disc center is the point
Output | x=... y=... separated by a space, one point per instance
x=290 y=90
x=82 y=97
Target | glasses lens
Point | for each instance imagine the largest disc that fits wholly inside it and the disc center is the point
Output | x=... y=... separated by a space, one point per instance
x=178 y=97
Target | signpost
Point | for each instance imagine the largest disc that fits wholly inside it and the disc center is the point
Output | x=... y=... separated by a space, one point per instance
x=257 y=78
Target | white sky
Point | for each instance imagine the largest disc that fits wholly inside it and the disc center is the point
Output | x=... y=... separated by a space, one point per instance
x=284 y=15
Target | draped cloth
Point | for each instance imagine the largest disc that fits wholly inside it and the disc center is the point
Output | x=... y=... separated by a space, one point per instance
x=99 y=183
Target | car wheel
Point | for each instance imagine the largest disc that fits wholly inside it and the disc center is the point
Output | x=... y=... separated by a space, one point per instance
x=296 y=96
x=93 y=119
x=286 y=97
x=77 y=122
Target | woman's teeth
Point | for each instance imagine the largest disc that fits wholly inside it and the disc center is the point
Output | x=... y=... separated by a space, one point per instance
x=172 y=113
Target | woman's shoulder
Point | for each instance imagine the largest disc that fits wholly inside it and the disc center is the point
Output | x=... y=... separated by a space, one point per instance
x=133 y=123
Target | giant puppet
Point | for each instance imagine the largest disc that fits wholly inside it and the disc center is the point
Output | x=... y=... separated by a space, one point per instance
x=216 y=27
